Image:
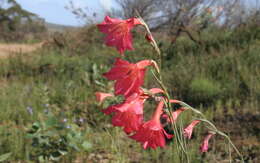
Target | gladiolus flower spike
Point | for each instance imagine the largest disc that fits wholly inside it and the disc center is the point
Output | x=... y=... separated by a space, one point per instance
x=129 y=77
x=118 y=32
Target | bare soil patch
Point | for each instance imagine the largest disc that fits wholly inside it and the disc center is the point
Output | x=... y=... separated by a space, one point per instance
x=245 y=131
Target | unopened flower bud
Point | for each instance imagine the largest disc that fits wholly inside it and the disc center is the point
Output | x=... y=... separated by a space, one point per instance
x=149 y=37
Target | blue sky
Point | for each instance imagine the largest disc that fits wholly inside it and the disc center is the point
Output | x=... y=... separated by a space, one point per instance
x=54 y=11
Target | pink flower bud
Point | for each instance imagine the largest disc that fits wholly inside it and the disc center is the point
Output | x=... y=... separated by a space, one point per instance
x=205 y=144
x=100 y=96
x=149 y=37
x=188 y=130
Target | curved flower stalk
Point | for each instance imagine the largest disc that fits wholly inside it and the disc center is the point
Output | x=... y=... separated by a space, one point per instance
x=160 y=82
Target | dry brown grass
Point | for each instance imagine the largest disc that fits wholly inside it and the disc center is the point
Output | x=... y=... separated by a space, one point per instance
x=7 y=50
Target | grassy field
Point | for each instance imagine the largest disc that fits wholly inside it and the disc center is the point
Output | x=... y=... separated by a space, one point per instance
x=48 y=108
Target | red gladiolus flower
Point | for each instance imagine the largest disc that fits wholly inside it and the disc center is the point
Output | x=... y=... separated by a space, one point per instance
x=205 y=144
x=100 y=96
x=118 y=32
x=129 y=114
x=175 y=115
x=129 y=76
x=188 y=130
x=151 y=133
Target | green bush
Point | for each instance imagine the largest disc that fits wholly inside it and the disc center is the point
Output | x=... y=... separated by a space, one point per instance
x=203 y=90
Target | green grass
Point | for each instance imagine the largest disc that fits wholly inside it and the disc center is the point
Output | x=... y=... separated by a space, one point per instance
x=220 y=78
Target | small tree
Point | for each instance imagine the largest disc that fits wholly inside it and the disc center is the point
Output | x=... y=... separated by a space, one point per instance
x=12 y=15
x=13 y=19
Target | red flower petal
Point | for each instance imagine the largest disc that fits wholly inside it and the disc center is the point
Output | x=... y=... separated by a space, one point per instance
x=129 y=114
x=151 y=133
x=118 y=32
x=128 y=119
x=129 y=76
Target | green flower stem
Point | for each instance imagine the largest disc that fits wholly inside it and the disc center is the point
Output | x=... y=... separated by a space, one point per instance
x=153 y=42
